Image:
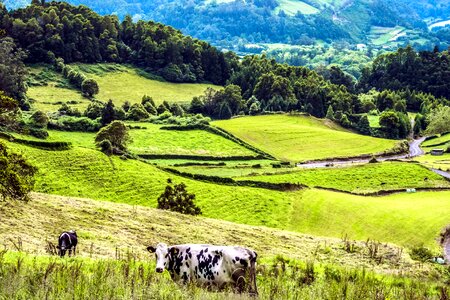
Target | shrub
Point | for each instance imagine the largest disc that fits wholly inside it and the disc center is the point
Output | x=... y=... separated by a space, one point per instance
x=39 y=119
x=74 y=124
x=17 y=175
x=69 y=111
x=106 y=147
x=137 y=112
x=39 y=133
x=421 y=253
x=94 y=110
x=176 y=198
x=89 y=87
x=116 y=133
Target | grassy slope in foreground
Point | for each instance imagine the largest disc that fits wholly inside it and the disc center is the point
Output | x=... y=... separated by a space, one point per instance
x=301 y=138
x=404 y=219
x=362 y=179
x=126 y=84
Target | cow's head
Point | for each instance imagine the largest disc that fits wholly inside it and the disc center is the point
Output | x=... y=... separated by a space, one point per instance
x=164 y=256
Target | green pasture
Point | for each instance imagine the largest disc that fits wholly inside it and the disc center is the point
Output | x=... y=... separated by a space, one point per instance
x=292 y=7
x=367 y=178
x=442 y=141
x=50 y=98
x=301 y=138
x=441 y=162
x=405 y=219
x=384 y=35
x=126 y=83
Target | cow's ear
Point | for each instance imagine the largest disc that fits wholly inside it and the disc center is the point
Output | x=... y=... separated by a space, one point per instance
x=151 y=249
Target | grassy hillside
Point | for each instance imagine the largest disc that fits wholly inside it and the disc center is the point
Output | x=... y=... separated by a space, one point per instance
x=301 y=138
x=125 y=83
x=117 y=82
x=436 y=162
x=405 y=219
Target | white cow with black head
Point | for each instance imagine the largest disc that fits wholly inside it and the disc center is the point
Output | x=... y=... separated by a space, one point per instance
x=208 y=264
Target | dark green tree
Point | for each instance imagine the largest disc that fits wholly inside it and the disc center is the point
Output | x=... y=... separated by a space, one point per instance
x=16 y=175
x=117 y=134
x=363 y=125
x=89 y=87
x=108 y=113
x=176 y=198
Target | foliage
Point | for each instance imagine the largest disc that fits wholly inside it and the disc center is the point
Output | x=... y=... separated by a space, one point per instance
x=94 y=110
x=16 y=175
x=176 y=198
x=40 y=119
x=395 y=124
x=9 y=111
x=90 y=87
x=67 y=110
x=13 y=71
x=421 y=253
x=439 y=120
x=69 y=123
x=116 y=133
x=80 y=35
x=108 y=113
x=137 y=112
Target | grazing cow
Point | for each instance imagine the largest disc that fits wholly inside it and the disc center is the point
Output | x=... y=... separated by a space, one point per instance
x=208 y=264
x=66 y=241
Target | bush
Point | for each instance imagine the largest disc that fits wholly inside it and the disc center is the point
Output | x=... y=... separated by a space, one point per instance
x=176 y=198
x=137 y=112
x=69 y=111
x=94 y=110
x=421 y=253
x=89 y=87
x=39 y=119
x=116 y=133
x=74 y=124
x=106 y=147
x=39 y=133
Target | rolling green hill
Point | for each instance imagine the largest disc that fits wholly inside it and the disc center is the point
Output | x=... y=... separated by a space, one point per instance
x=301 y=138
x=397 y=218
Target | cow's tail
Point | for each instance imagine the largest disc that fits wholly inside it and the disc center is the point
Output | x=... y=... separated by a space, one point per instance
x=253 y=273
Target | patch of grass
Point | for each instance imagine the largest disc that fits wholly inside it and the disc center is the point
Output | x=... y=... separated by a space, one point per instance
x=192 y=142
x=362 y=179
x=374 y=121
x=37 y=277
x=292 y=7
x=437 y=162
x=126 y=83
x=443 y=139
x=405 y=219
x=50 y=98
x=384 y=35
x=301 y=138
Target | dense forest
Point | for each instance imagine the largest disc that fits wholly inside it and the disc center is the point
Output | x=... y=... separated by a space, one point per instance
x=77 y=34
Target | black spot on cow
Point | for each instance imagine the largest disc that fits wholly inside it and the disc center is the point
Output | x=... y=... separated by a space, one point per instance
x=243 y=262
x=186 y=257
x=236 y=258
x=187 y=264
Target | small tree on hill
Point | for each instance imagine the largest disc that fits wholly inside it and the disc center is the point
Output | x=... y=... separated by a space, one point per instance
x=108 y=113
x=9 y=111
x=117 y=134
x=16 y=176
x=330 y=113
x=89 y=87
x=364 y=125
x=176 y=198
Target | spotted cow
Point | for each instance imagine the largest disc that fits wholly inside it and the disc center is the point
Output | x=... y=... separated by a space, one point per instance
x=208 y=264
x=67 y=241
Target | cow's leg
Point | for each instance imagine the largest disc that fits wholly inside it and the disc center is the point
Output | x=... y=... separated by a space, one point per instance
x=74 y=250
x=238 y=277
x=252 y=280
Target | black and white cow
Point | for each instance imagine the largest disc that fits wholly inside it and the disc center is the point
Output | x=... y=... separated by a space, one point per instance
x=208 y=264
x=66 y=241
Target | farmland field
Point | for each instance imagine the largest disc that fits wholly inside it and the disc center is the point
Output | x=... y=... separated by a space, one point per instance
x=363 y=178
x=301 y=138
x=437 y=162
x=292 y=7
x=397 y=218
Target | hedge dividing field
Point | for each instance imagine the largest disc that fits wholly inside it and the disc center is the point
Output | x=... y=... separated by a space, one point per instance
x=301 y=138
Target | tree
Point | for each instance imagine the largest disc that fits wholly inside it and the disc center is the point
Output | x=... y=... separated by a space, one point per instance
x=108 y=113
x=13 y=72
x=439 y=120
x=16 y=175
x=390 y=122
x=330 y=113
x=94 y=110
x=9 y=111
x=363 y=125
x=176 y=198
x=137 y=112
x=117 y=134
x=40 y=119
x=89 y=87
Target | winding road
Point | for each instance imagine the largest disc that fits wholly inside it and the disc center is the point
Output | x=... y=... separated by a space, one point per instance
x=414 y=150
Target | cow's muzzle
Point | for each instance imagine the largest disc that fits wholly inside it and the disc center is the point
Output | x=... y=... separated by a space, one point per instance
x=159 y=270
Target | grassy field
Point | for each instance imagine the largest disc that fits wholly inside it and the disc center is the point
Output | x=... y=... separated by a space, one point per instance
x=117 y=82
x=442 y=141
x=25 y=276
x=125 y=83
x=436 y=162
x=362 y=179
x=384 y=35
x=193 y=142
x=405 y=219
x=301 y=138
x=292 y=7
